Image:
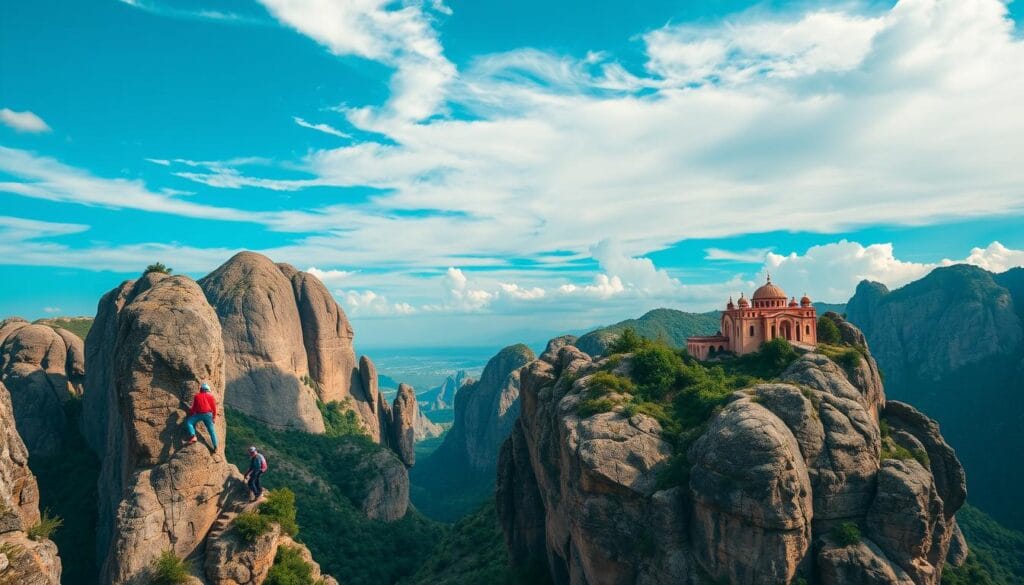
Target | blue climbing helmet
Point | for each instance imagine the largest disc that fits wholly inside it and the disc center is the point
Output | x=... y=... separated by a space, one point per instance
x=204 y=387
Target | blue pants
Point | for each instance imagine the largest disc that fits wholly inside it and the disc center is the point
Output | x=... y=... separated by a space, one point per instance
x=254 y=483
x=207 y=419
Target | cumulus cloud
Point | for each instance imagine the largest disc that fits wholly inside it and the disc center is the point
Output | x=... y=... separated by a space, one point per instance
x=367 y=303
x=330 y=277
x=23 y=121
x=831 y=272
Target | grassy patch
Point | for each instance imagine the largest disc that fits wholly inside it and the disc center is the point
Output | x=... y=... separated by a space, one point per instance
x=290 y=568
x=251 y=525
x=168 y=569
x=279 y=507
x=846 y=534
x=46 y=526
x=340 y=419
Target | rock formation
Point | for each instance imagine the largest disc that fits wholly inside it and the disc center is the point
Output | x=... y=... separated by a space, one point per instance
x=41 y=367
x=443 y=397
x=23 y=561
x=952 y=344
x=288 y=344
x=403 y=422
x=772 y=477
x=485 y=412
x=158 y=493
x=266 y=364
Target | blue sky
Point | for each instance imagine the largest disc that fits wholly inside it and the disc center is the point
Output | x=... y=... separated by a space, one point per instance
x=467 y=173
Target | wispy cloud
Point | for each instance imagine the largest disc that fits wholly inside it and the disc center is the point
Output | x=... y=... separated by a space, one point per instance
x=400 y=36
x=23 y=121
x=162 y=9
x=46 y=178
x=748 y=255
x=325 y=128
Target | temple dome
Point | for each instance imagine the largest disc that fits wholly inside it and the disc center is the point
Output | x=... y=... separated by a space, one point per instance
x=805 y=301
x=769 y=291
x=743 y=302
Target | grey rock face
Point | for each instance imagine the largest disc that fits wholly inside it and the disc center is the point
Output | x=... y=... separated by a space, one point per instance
x=403 y=425
x=164 y=496
x=41 y=368
x=485 y=412
x=266 y=363
x=774 y=473
x=22 y=560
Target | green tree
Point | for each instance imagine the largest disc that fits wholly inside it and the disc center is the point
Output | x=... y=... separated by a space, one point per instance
x=158 y=267
x=828 y=331
x=628 y=342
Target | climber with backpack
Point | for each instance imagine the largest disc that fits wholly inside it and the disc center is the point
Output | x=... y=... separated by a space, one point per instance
x=204 y=410
x=257 y=467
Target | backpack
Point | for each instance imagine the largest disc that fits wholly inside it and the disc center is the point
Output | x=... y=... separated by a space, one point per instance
x=263 y=463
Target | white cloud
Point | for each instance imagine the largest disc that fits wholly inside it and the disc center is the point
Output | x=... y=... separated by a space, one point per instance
x=749 y=255
x=367 y=303
x=752 y=48
x=51 y=310
x=330 y=277
x=400 y=36
x=907 y=116
x=46 y=178
x=995 y=257
x=831 y=272
x=325 y=128
x=160 y=9
x=159 y=161
x=23 y=121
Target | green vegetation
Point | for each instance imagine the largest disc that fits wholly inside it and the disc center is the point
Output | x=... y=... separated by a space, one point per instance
x=846 y=356
x=997 y=552
x=67 y=487
x=168 y=569
x=78 y=325
x=340 y=419
x=828 y=331
x=678 y=391
x=473 y=553
x=893 y=450
x=46 y=526
x=157 y=267
x=251 y=525
x=427 y=446
x=667 y=325
x=329 y=475
x=290 y=569
x=846 y=534
x=279 y=506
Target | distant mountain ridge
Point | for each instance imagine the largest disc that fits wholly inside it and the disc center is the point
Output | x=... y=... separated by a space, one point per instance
x=953 y=344
x=670 y=325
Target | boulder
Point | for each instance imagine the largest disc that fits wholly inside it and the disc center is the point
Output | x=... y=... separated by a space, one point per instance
x=22 y=560
x=35 y=367
x=862 y=563
x=231 y=560
x=266 y=364
x=752 y=497
x=377 y=427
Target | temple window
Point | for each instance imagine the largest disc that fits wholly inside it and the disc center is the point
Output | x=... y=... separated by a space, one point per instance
x=751 y=330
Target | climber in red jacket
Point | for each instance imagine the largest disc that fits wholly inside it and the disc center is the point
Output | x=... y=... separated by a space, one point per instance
x=204 y=410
